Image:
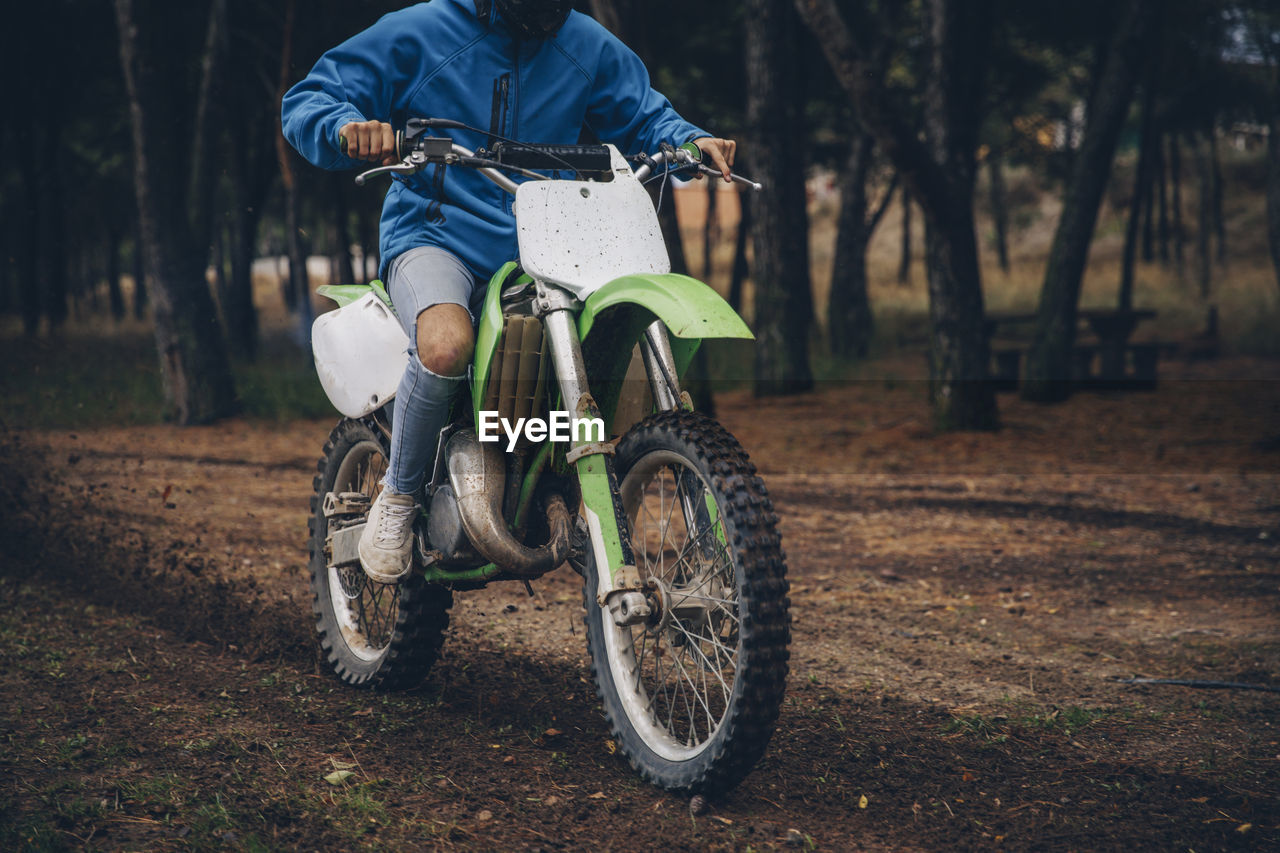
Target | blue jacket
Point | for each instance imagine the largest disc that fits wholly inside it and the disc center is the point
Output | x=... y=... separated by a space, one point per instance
x=443 y=60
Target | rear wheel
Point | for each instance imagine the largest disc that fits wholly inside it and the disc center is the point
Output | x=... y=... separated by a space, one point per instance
x=693 y=694
x=373 y=634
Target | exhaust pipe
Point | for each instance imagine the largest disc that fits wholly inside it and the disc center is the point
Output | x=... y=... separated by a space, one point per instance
x=477 y=474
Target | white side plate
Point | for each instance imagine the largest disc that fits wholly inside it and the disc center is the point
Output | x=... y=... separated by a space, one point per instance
x=360 y=352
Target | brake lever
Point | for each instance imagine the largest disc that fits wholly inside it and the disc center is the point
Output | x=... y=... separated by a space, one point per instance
x=736 y=178
x=403 y=168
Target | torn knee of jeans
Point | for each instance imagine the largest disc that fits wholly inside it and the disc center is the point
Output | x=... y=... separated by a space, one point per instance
x=416 y=363
x=445 y=360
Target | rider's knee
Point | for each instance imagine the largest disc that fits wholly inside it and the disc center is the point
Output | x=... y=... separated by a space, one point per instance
x=445 y=359
x=445 y=339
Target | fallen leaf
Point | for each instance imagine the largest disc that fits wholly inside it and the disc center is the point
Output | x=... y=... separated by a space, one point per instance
x=598 y=795
x=485 y=815
x=338 y=777
x=363 y=713
x=343 y=765
x=863 y=801
x=552 y=733
x=610 y=746
x=1244 y=827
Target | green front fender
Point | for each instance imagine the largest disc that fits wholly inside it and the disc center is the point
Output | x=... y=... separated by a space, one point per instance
x=615 y=317
x=690 y=309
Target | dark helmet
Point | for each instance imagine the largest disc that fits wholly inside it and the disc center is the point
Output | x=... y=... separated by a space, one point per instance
x=534 y=19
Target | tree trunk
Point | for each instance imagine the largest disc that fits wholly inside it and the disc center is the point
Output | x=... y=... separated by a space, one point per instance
x=115 y=294
x=342 y=230
x=849 y=318
x=740 y=267
x=940 y=170
x=29 y=254
x=53 y=248
x=904 y=263
x=193 y=358
x=368 y=244
x=298 y=289
x=140 y=300
x=1204 y=206
x=710 y=230
x=1179 y=233
x=999 y=208
x=7 y=278
x=247 y=190
x=218 y=262
x=959 y=355
x=1148 y=200
x=1273 y=193
x=1141 y=191
x=1219 y=221
x=783 y=299
x=1048 y=363
x=1162 y=200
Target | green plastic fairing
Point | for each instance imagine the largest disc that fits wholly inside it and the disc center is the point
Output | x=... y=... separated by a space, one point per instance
x=345 y=294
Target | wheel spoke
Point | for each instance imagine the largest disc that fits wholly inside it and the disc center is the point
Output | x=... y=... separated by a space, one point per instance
x=693 y=644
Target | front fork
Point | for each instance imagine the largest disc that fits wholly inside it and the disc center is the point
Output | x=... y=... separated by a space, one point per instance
x=619 y=585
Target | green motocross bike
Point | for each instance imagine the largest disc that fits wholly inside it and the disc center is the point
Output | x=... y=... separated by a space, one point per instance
x=656 y=505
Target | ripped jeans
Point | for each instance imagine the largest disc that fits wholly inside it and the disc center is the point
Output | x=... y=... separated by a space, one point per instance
x=418 y=279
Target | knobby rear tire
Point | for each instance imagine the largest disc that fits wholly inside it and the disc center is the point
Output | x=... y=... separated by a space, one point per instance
x=389 y=635
x=701 y=728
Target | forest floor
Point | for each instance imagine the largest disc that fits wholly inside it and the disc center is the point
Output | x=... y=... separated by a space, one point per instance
x=964 y=607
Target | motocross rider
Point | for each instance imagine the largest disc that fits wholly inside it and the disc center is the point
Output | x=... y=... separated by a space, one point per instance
x=528 y=69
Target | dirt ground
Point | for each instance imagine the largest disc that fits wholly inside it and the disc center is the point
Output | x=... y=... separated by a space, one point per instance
x=964 y=607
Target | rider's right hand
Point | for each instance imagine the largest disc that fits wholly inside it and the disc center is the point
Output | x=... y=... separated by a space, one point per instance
x=373 y=141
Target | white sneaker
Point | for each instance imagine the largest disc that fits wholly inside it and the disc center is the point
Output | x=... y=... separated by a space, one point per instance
x=386 y=545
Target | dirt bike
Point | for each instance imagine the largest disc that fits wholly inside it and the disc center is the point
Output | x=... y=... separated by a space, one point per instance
x=673 y=532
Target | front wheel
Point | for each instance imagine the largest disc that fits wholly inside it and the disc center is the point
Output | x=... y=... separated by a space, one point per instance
x=693 y=694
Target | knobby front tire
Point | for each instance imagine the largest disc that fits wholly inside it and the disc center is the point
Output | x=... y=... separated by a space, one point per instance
x=693 y=695
x=372 y=635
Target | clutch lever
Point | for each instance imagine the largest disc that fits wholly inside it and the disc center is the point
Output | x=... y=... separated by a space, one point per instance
x=405 y=168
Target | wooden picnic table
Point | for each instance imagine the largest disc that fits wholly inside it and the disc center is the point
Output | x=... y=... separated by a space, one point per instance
x=1112 y=328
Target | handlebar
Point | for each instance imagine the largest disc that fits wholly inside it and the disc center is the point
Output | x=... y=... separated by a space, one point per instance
x=417 y=149
x=684 y=157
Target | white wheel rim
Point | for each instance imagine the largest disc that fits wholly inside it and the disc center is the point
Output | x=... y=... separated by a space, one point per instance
x=676 y=696
x=377 y=605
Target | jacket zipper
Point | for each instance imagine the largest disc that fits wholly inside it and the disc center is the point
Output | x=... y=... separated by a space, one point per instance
x=498 y=114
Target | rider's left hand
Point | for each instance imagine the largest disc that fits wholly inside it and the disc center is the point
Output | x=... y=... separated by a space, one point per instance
x=720 y=152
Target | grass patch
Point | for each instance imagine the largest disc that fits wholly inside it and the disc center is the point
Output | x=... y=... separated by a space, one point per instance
x=998 y=728
x=96 y=378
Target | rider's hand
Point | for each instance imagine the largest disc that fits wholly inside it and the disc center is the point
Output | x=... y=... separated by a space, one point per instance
x=720 y=152
x=373 y=141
